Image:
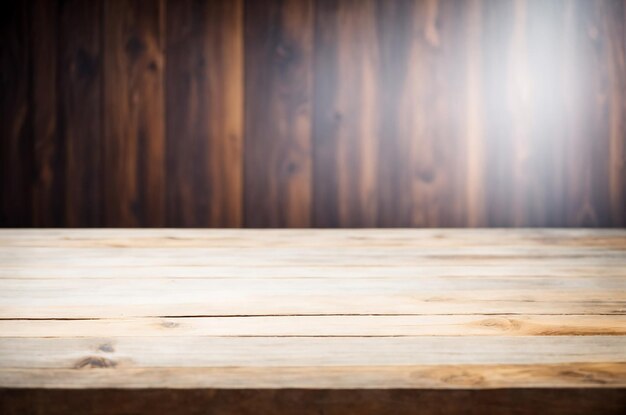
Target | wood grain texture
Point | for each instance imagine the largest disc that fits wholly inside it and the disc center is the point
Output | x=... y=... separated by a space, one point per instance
x=616 y=62
x=91 y=372
x=316 y=113
x=346 y=55
x=545 y=240
x=279 y=53
x=323 y=309
x=311 y=354
x=80 y=96
x=134 y=113
x=308 y=402
x=420 y=128
x=325 y=326
x=49 y=148
x=204 y=87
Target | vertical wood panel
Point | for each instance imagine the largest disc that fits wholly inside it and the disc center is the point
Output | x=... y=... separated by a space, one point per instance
x=615 y=58
x=16 y=157
x=498 y=21
x=49 y=149
x=397 y=28
x=204 y=90
x=279 y=41
x=474 y=117
x=575 y=170
x=80 y=95
x=597 y=113
x=543 y=199
x=345 y=131
x=434 y=116
x=518 y=102
x=587 y=118
x=134 y=113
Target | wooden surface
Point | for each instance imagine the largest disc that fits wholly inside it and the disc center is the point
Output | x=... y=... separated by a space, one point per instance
x=313 y=113
x=313 y=402
x=321 y=309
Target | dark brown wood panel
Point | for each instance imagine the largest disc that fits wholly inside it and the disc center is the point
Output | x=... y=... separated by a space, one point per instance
x=310 y=401
x=346 y=122
x=49 y=150
x=80 y=116
x=134 y=113
x=421 y=154
x=279 y=48
x=204 y=87
x=284 y=113
x=16 y=157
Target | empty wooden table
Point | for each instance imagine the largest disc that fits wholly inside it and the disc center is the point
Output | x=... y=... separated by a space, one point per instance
x=312 y=321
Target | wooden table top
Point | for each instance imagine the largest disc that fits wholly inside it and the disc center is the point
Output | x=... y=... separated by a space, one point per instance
x=432 y=309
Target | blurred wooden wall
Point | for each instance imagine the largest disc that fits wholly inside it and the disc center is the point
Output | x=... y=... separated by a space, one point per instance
x=298 y=113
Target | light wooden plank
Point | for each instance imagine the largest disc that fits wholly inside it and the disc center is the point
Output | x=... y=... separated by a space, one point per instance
x=203 y=351
x=316 y=326
x=601 y=239
x=49 y=257
x=14 y=291
x=525 y=271
x=567 y=375
x=190 y=297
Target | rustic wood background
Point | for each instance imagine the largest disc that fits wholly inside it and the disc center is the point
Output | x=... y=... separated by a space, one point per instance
x=298 y=113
